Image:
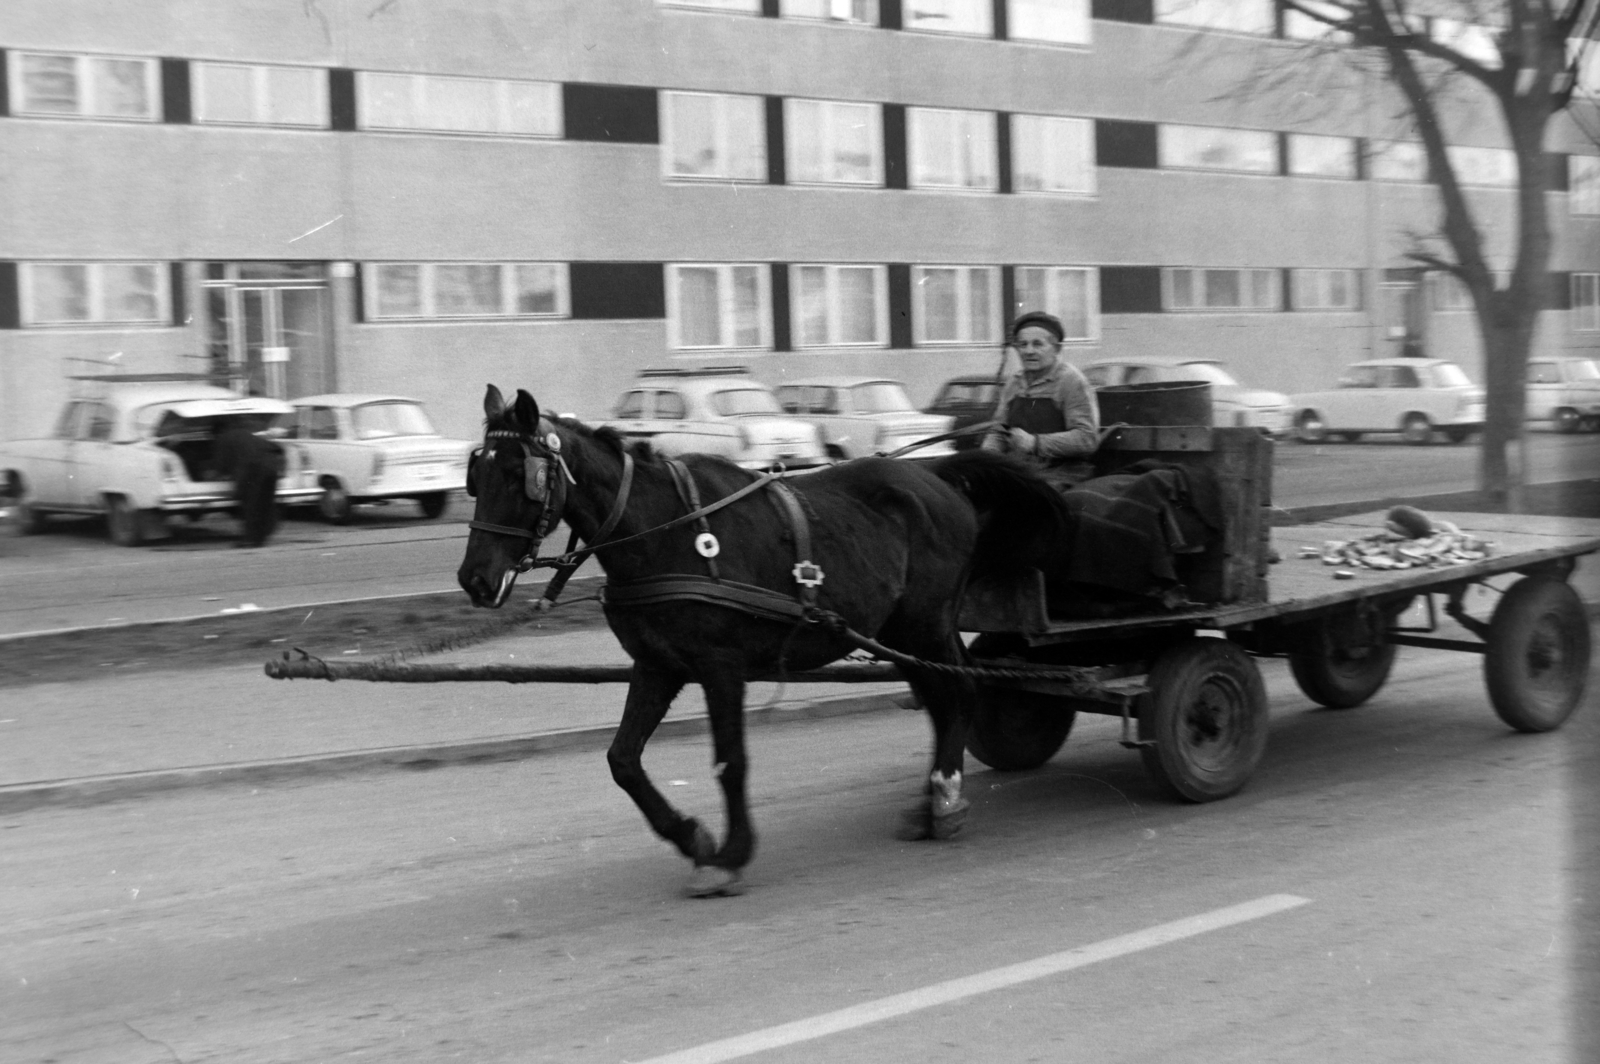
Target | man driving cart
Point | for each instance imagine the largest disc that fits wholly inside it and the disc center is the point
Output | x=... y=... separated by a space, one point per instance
x=1047 y=412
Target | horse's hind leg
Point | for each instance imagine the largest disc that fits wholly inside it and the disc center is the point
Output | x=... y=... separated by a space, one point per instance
x=650 y=695
x=720 y=872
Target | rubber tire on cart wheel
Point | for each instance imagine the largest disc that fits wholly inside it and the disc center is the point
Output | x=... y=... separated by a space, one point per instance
x=1338 y=675
x=1416 y=429
x=1011 y=730
x=434 y=504
x=1310 y=428
x=334 y=505
x=124 y=522
x=1206 y=715
x=1537 y=657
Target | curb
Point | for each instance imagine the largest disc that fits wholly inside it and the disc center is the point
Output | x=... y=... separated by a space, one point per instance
x=98 y=790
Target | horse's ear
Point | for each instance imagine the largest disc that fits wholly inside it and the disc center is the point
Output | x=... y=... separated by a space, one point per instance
x=526 y=411
x=494 y=404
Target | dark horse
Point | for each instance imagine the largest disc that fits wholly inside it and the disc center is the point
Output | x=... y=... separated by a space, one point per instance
x=894 y=542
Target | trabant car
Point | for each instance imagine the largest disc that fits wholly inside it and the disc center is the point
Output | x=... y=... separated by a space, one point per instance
x=864 y=415
x=968 y=401
x=375 y=448
x=1565 y=392
x=138 y=448
x=1411 y=396
x=1233 y=405
x=719 y=410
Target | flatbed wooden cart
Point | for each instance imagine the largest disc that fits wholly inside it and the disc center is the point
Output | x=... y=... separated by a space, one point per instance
x=1184 y=682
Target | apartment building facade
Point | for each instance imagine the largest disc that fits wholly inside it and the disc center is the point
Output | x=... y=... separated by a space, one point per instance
x=409 y=197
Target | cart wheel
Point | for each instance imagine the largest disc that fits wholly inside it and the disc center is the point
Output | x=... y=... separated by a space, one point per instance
x=1538 y=654
x=1017 y=730
x=1345 y=662
x=1206 y=714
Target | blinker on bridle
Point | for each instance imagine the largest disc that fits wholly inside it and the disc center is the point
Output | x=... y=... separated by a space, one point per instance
x=539 y=484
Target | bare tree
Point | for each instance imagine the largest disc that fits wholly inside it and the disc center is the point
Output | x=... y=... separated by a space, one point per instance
x=1527 y=56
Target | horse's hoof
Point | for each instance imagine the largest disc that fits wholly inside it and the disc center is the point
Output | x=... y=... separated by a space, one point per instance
x=705 y=846
x=948 y=818
x=916 y=824
x=712 y=881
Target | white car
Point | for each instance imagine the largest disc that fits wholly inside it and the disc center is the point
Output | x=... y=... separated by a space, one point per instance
x=720 y=411
x=864 y=415
x=1411 y=396
x=138 y=448
x=1565 y=392
x=1232 y=404
x=373 y=448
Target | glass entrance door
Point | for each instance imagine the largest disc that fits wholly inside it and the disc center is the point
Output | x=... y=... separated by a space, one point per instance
x=1401 y=307
x=270 y=327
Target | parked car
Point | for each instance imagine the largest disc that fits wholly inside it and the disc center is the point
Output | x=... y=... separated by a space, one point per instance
x=1232 y=404
x=374 y=448
x=720 y=410
x=1565 y=392
x=1411 y=396
x=138 y=448
x=969 y=401
x=864 y=415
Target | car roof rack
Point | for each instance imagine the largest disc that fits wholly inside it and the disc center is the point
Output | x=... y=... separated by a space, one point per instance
x=708 y=371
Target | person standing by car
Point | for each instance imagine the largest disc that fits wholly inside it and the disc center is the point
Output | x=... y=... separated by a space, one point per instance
x=1047 y=412
x=254 y=464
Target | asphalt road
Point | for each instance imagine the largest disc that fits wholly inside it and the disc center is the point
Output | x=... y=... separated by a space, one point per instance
x=1400 y=868
x=72 y=577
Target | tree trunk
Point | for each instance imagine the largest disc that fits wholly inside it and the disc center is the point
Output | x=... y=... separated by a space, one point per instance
x=1506 y=347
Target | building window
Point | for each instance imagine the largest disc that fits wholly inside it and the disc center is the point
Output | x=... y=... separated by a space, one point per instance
x=1048 y=21
x=858 y=12
x=714 y=137
x=975 y=17
x=752 y=7
x=719 y=305
x=1202 y=289
x=1316 y=156
x=951 y=149
x=956 y=304
x=1071 y=293
x=1326 y=289
x=838 y=306
x=399 y=291
x=434 y=104
x=1450 y=293
x=834 y=143
x=1236 y=16
x=1583 y=183
x=84 y=86
x=1250 y=151
x=94 y=293
x=1397 y=160
x=1489 y=167
x=240 y=94
x=1586 y=302
x=1052 y=155
x=1300 y=27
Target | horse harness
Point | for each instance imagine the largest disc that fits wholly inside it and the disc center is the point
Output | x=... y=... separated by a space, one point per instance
x=541 y=484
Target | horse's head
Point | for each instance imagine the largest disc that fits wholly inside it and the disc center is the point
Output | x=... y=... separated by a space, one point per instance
x=519 y=481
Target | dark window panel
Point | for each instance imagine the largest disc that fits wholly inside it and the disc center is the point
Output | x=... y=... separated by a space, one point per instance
x=769 y=8
x=782 y=340
x=1126 y=144
x=1558 y=290
x=894 y=146
x=1002 y=140
x=358 y=287
x=1363 y=146
x=620 y=114
x=1283 y=155
x=618 y=290
x=1130 y=289
x=1008 y=296
x=899 y=304
x=1124 y=10
x=775 y=155
x=889 y=15
x=180 y=293
x=1286 y=282
x=341 y=99
x=1002 y=30
x=175 y=106
x=5 y=87
x=10 y=297
x=1556 y=172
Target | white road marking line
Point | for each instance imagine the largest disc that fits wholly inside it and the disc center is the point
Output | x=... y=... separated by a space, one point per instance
x=789 y=1034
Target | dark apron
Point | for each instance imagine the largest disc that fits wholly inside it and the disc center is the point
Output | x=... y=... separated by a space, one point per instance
x=1041 y=416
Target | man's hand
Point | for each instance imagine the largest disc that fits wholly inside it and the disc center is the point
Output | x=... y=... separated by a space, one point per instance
x=1023 y=441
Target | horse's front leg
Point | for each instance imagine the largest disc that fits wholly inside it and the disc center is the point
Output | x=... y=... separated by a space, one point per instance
x=949 y=701
x=720 y=873
x=650 y=695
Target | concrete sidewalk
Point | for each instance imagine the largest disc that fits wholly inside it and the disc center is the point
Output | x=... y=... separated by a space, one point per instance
x=120 y=736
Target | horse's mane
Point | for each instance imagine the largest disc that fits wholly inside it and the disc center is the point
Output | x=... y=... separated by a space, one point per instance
x=640 y=449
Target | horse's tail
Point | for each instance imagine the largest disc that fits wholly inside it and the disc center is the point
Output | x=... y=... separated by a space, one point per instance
x=1022 y=515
